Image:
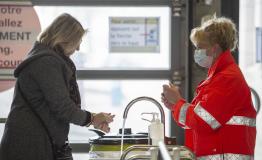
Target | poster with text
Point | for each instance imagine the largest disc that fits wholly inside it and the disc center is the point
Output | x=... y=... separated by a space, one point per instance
x=134 y=34
x=19 y=28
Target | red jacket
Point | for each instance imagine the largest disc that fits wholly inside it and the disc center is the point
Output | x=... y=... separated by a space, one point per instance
x=220 y=121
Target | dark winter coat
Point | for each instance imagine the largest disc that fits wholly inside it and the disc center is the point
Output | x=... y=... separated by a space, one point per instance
x=44 y=77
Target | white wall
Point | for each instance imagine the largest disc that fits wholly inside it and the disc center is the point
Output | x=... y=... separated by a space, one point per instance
x=250 y=17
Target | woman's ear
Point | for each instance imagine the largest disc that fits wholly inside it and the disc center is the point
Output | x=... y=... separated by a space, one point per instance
x=216 y=50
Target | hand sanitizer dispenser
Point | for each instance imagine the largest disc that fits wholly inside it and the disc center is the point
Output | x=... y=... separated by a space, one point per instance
x=155 y=129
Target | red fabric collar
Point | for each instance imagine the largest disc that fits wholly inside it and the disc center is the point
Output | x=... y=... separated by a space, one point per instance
x=224 y=60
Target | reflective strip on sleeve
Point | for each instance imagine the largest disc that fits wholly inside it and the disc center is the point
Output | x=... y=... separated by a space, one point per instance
x=186 y=127
x=226 y=156
x=182 y=113
x=241 y=120
x=206 y=116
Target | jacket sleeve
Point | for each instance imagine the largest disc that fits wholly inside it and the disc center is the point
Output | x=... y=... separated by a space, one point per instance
x=214 y=106
x=48 y=74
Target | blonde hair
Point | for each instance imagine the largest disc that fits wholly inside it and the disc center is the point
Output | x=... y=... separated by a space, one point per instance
x=64 y=32
x=216 y=30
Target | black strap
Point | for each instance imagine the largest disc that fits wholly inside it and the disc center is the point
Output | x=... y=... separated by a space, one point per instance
x=39 y=118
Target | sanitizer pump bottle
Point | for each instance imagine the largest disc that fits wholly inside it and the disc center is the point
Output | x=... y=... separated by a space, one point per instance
x=155 y=129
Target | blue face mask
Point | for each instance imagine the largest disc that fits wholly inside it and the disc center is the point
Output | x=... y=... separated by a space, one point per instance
x=202 y=59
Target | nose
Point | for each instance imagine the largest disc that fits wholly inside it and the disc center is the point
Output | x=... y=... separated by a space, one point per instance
x=77 y=48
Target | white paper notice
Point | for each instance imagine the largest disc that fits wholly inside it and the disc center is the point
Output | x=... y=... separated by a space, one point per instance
x=134 y=34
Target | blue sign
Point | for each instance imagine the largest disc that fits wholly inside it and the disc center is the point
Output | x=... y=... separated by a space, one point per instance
x=259 y=44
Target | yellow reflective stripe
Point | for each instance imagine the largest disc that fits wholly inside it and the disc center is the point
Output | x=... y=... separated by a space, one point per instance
x=182 y=113
x=226 y=156
x=206 y=116
x=242 y=120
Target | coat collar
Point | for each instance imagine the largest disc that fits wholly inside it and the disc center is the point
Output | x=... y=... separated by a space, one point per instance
x=225 y=59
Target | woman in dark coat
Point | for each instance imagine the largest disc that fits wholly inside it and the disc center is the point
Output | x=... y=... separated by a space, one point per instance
x=47 y=79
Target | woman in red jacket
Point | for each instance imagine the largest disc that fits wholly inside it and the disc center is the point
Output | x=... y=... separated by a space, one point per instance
x=220 y=122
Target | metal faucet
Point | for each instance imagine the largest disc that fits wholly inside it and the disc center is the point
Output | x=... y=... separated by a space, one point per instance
x=147 y=147
x=130 y=104
x=148 y=157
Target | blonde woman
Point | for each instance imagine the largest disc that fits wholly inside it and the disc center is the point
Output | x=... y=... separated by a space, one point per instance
x=46 y=97
x=220 y=122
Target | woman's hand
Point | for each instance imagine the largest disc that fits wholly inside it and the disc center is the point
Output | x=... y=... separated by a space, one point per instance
x=101 y=121
x=166 y=102
x=104 y=127
x=170 y=95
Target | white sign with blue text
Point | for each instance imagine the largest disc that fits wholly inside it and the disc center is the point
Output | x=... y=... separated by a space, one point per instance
x=134 y=34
